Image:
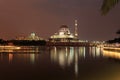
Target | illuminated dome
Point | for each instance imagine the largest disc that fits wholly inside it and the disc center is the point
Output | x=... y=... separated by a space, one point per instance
x=64 y=30
x=63 y=34
x=33 y=36
x=64 y=26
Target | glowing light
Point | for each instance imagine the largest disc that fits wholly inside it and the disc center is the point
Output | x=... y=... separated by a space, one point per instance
x=32 y=57
x=112 y=54
x=8 y=48
x=10 y=57
x=82 y=52
x=62 y=60
x=63 y=33
x=76 y=62
x=113 y=48
x=76 y=23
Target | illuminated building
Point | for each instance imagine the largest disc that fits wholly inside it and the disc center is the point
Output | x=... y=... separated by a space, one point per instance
x=32 y=36
x=63 y=35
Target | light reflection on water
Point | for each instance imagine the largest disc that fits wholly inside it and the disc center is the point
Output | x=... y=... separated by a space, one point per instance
x=111 y=54
x=84 y=63
x=65 y=56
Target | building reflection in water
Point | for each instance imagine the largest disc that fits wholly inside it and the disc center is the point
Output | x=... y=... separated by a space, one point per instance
x=65 y=56
x=26 y=54
x=21 y=57
x=76 y=60
x=95 y=51
x=10 y=56
x=32 y=58
x=62 y=55
x=82 y=52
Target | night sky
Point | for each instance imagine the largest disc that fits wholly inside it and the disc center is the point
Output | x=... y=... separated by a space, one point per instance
x=44 y=17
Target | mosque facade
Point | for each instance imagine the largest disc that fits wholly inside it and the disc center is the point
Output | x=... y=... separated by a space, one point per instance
x=63 y=35
x=32 y=36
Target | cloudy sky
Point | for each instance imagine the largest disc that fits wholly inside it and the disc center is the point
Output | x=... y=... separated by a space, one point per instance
x=44 y=17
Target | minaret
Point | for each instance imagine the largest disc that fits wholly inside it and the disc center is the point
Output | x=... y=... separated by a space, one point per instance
x=76 y=29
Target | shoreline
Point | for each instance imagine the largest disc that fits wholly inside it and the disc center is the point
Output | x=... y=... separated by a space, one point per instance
x=116 y=49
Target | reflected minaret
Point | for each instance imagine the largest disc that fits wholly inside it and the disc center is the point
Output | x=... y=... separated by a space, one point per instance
x=76 y=29
x=76 y=61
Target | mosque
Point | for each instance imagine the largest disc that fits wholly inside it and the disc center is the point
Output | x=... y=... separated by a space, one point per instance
x=32 y=36
x=64 y=34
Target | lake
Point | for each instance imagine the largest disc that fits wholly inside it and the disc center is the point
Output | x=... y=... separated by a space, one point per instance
x=59 y=63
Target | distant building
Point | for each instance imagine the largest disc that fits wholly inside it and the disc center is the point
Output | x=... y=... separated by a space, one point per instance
x=32 y=36
x=63 y=35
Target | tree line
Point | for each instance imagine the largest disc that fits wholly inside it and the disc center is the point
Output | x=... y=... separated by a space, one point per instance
x=116 y=40
x=23 y=42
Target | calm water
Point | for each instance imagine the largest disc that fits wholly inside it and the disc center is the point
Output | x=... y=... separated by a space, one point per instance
x=59 y=63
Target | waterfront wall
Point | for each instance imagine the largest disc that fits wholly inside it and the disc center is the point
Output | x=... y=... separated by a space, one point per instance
x=67 y=44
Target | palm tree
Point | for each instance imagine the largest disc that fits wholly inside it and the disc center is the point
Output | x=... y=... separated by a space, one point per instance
x=108 y=5
x=118 y=32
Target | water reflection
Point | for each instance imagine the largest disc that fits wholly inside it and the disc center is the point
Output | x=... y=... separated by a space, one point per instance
x=111 y=54
x=95 y=51
x=76 y=60
x=66 y=56
x=63 y=63
x=62 y=55
x=32 y=58
x=10 y=57
x=81 y=52
x=19 y=57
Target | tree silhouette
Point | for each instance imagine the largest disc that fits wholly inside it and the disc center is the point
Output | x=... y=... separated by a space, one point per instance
x=108 y=5
x=118 y=32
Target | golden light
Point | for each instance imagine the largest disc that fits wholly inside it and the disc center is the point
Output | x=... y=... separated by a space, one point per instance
x=111 y=54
